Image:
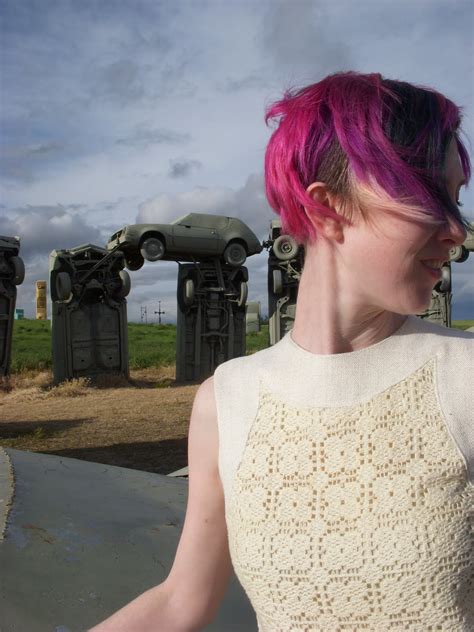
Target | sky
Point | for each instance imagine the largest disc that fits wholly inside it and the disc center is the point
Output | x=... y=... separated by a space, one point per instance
x=117 y=112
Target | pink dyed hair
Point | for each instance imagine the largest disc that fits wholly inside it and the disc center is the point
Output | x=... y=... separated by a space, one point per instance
x=368 y=138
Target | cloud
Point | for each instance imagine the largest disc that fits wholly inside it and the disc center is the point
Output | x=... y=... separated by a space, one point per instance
x=256 y=81
x=19 y=162
x=153 y=272
x=46 y=228
x=300 y=42
x=144 y=136
x=165 y=208
x=42 y=229
x=463 y=277
x=182 y=167
x=119 y=81
x=22 y=151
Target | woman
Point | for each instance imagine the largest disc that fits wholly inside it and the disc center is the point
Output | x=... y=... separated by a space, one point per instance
x=334 y=470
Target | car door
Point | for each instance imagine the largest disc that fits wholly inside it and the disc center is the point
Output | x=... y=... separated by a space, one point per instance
x=195 y=239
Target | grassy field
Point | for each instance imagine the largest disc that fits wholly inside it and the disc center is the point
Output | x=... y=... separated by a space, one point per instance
x=463 y=324
x=31 y=345
x=149 y=345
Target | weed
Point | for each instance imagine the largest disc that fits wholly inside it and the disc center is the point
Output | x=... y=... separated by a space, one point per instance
x=165 y=383
x=39 y=433
x=5 y=384
x=71 y=388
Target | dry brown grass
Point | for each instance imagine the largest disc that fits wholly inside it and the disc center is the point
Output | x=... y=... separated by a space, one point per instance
x=26 y=380
x=71 y=388
x=140 y=423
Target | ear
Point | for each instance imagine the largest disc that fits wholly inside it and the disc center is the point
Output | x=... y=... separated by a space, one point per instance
x=329 y=227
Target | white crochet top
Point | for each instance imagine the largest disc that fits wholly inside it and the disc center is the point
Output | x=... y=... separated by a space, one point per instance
x=349 y=482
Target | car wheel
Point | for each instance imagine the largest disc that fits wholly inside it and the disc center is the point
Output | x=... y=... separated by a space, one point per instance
x=18 y=270
x=134 y=263
x=285 y=247
x=152 y=249
x=277 y=282
x=243 y=294
x=125 y=284
x=188 y=292
x=63 y=286
x=444 y=285
x=459 y=254
x=235 y=254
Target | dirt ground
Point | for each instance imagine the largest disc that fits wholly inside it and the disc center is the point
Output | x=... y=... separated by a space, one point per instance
x=142 y=423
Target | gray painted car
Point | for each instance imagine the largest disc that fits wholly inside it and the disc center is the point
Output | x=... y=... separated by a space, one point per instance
x=195 y=236
x=78 y=540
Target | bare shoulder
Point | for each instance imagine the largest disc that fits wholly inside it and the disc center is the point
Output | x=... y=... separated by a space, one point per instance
x=203 y=435
x=205 y=397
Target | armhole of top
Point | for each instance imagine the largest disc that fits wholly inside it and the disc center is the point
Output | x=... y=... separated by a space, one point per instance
x=248 y=431
x=233 y=437
x=233 y=425
x=217 y=390
x=243 y=446
x=446 y=414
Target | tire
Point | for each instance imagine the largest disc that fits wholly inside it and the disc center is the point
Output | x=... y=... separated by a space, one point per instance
x=444 y=285
x=244 y=290
x=63 y=286
x=459 y=254
x=285 y=247
x=125 y=286
x=277 y=282
x=18 y=270
x=152 y=249
x=134 y=263
x=188 y=292
x=235 y=254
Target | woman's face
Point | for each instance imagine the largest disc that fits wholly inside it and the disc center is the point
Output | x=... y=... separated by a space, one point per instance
x=395 y=264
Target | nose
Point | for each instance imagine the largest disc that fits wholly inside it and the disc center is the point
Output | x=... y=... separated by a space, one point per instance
x=453 y=231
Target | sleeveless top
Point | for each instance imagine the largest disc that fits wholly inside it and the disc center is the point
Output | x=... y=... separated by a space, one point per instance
x=349 y=482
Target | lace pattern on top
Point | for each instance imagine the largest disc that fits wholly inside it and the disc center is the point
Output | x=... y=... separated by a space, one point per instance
x=355 y=518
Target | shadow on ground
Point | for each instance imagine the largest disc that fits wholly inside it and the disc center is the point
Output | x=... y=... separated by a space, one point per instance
x=37 y=429
x=160 y=457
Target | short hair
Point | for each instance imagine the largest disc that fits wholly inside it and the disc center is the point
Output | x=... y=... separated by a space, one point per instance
x=371 y=140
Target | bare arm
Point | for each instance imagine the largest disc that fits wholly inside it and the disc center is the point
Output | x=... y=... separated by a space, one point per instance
x=190 y=596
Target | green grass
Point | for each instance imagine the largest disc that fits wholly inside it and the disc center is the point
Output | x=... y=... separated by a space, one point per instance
x=463 y=324
x=148 y=345
x=151 y=345
x=31 y=345
x=258 y=341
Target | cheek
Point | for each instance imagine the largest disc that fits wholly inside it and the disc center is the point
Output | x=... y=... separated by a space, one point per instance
x=391 y=272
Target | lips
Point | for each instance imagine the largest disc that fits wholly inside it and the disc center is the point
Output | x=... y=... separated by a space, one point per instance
x=434 y=267
x=433 y=264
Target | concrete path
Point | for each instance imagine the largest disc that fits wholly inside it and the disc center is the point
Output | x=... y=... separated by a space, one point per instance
x=82 y=539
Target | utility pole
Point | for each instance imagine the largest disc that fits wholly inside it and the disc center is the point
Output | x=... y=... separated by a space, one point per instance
x=159 y=312
x=144 y=314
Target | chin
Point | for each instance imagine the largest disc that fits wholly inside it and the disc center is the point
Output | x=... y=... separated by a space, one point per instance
x=414 y=305
x=420 y=306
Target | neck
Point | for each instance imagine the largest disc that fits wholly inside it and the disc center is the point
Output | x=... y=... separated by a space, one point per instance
x=329 y=320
